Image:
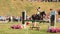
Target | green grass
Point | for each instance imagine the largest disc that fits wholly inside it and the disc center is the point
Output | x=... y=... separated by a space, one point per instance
x=5 y=29
x=14 y=8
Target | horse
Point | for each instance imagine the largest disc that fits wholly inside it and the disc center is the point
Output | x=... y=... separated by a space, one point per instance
x=38 y=16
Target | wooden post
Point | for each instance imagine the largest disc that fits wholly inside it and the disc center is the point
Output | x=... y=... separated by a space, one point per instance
x=55 y=20
x=23 y=16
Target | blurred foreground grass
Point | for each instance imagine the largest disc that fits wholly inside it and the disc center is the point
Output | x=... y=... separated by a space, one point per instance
x=5 y=29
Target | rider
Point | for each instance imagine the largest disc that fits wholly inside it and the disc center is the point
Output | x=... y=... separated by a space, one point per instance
x=39 y=10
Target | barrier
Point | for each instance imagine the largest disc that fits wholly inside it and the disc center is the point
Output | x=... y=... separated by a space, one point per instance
x=24 y=19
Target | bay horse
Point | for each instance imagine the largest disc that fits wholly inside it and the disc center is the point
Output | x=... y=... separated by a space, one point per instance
x=38 y=16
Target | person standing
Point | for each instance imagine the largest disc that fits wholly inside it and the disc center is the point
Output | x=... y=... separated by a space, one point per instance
x=52 y=17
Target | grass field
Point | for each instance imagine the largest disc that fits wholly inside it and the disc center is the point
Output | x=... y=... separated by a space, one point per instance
x=15 y=7
x=5 y=29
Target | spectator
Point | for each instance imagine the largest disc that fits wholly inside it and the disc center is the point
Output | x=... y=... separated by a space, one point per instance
x=52 y=16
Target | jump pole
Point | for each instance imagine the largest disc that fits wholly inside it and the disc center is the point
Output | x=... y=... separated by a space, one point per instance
x=23 y=18
x=55 y=20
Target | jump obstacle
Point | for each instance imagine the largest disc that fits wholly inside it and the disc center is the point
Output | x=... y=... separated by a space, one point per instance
x=50 y=29
x=24 y=20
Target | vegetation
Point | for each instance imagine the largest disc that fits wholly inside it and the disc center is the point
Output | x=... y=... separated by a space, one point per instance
x=5 y=29
x=15 y=7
